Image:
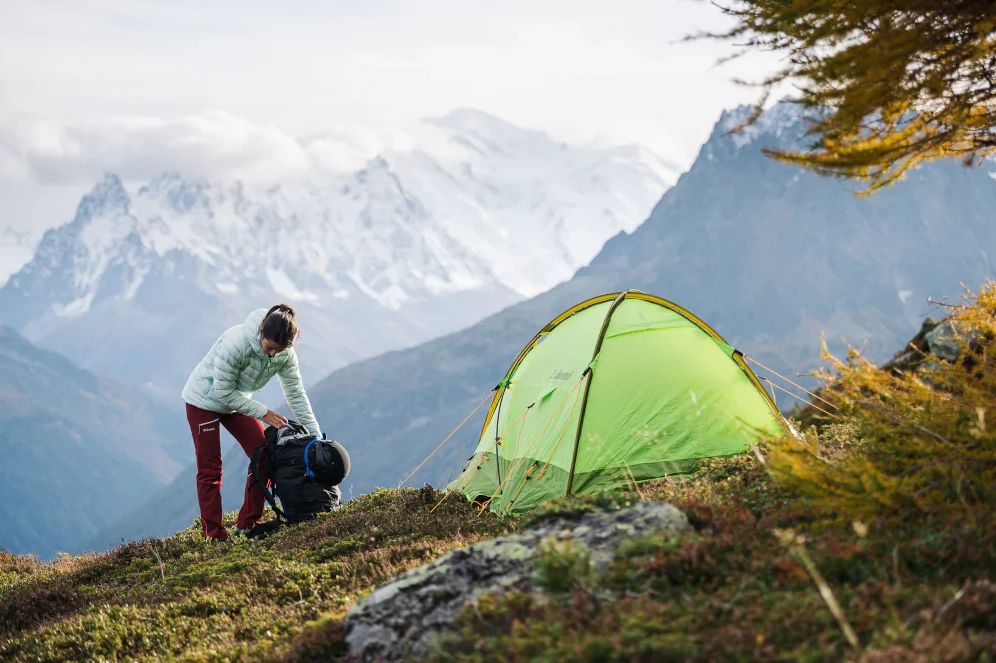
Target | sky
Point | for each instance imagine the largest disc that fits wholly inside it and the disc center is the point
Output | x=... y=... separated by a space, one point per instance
x=228 y=87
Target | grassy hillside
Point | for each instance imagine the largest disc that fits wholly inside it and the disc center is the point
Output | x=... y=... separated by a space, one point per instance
x=193 y=599
x=728 y=590
x=733 y=589
x=872 y=538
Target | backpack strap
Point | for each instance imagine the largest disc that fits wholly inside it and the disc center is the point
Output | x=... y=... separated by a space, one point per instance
x=254 y=469
x=307 y=467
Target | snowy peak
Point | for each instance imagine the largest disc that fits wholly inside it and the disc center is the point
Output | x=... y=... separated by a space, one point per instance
x=393 y=238
x=377 y=175
x=176 y=193
x=481 y=131
x=108 y=195
x=782 y=121
x=470 y=120
x=464 y=202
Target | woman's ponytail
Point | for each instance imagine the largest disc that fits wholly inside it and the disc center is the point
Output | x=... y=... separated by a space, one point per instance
x=280 y=325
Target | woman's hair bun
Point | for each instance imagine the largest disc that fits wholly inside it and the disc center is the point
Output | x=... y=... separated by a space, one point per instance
x=280 y=325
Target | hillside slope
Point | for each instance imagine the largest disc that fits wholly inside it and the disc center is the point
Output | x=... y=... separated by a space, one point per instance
x=725 y=590
x=79 y=451
x=188 y=598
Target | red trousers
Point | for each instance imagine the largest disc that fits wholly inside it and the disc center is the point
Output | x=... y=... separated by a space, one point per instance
x=248 y=432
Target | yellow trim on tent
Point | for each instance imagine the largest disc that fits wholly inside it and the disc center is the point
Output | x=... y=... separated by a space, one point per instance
x=550 y=326
x=737 y=357
x=609 y=297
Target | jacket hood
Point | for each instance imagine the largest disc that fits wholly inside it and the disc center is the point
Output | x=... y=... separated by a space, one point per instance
x=251 y=330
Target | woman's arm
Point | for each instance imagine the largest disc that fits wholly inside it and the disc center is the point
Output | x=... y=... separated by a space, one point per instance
x=293 y=388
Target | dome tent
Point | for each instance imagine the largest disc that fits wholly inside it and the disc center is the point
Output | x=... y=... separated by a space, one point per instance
x=622 y=387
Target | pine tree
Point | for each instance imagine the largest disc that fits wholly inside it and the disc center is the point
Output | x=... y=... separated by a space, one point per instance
x=895 y=82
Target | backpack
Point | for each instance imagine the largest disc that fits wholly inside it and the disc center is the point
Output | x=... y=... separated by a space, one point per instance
x=305 y=472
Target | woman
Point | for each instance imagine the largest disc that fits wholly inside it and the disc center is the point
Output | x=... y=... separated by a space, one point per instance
x=219 y=391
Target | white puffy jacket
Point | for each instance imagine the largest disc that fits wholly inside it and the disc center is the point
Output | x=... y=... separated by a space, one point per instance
x=236 y=367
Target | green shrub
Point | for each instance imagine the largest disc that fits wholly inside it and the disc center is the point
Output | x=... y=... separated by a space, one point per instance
x=562 y=565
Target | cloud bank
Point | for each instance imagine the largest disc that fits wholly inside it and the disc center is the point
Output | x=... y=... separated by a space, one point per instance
x=210 y=145
x=213 y=146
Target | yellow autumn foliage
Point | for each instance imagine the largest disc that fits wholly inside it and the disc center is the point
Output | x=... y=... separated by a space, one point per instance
x=916 y=436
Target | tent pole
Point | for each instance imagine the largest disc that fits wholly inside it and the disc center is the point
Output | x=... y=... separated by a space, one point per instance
x=497 y=438
x=550 y=326
x=587 y=386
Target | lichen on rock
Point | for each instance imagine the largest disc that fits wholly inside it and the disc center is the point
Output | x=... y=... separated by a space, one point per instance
x=406 y=616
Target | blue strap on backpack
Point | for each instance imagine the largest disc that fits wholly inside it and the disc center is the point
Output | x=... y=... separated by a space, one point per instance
x=307 y=467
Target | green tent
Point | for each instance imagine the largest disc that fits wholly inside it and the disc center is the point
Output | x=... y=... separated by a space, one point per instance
x=622 y=387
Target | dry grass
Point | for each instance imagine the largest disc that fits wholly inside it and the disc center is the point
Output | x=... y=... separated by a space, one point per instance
x=278 y=599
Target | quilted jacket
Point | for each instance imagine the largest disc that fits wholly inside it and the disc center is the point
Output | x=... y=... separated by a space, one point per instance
x=236 y=367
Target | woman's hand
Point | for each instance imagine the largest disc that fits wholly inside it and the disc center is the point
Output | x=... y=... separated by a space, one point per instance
x=274 y=419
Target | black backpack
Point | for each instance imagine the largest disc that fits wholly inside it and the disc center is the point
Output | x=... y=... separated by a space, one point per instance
x=305 y=472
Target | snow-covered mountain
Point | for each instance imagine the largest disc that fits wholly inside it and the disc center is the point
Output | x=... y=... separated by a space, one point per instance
x=447 y=223
x=16 y=249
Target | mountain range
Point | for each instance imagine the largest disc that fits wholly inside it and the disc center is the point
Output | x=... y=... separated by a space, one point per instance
x=466 y=216
x=768 y=255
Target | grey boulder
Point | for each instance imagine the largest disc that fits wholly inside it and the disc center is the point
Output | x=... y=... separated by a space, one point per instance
x=406 y=616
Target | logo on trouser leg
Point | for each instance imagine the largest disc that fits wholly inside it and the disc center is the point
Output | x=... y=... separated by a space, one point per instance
x=201 y=429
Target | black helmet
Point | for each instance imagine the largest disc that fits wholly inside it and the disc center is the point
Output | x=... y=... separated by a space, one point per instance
x=330 y=463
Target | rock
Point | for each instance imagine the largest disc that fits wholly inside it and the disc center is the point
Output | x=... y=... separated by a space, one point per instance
x=936 y=340
x=944 y=341
x=944 y=344
x=408 y=614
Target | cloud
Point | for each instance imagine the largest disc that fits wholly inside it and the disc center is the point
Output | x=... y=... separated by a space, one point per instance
x=12 y=166
x=211 y=145
x=568 y=66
